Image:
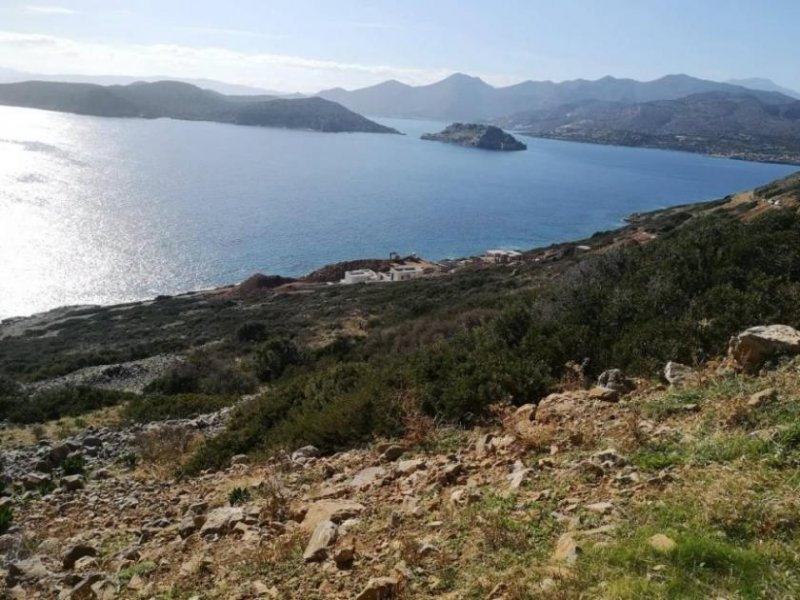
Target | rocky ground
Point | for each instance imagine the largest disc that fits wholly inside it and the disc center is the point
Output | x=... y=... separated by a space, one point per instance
x=626 y=489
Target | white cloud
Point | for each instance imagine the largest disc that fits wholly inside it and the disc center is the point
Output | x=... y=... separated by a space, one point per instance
x=232 y=32
x=42 y=9
x=52 y=55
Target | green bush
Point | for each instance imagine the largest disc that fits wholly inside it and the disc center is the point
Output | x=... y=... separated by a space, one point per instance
x=74 y=465
x=238 y=496
x=53 y=404
x=252 y=331
x=203 y=373
x=274 y=356
x=149 y=408
x=6 y=517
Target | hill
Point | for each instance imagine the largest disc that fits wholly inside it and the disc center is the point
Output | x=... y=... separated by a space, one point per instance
x=736 y=125
x=170 y=99
x=464 y=98
x=597 y=420
x=15 y=76
x=767 y=85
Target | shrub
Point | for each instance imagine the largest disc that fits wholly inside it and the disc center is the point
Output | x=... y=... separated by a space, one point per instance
x=129 y=460
x=238 y=496
x=252 y=331
x=56 y=403
x=203 y=373
x=6 y=517
x=273 y=357
x=145 y=409
x=74 y=465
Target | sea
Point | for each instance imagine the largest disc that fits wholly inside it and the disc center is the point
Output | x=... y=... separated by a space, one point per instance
x=100 y=210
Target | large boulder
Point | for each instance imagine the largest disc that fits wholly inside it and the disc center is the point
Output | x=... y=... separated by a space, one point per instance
x=677 y=374
x=222 y=520
x=336 y=511
x=614 y=379
x=323 y=538
x=757 y=345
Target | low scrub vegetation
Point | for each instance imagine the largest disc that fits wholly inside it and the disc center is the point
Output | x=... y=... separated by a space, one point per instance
x=677 y=298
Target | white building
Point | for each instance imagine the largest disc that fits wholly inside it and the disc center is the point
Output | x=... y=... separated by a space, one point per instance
x=404 y=272
x=503 y=256
x=360 y=276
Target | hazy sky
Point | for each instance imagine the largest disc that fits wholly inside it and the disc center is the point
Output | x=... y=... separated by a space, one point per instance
x=306 y=45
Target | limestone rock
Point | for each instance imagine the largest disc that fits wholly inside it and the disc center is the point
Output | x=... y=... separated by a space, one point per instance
x=72 y=482
x=762 y=398
x=662 y=543
x=221 y=520
x=31 y=569
x=392 y=453
x=368 y=476
x=323 y=537
x=614 y=379
x=567 y=549
x=75 y=553
x=305 y=454
x=604 y=394
x=380 y=588
x=677 y=374
x=330 y=510
x=755 y=346
x=406 y=467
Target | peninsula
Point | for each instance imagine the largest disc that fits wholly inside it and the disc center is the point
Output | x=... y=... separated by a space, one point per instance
x=177 y=100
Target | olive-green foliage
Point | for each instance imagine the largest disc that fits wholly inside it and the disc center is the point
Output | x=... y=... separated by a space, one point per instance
x=238 y=495
x=148 y=408
x=274 y=356
x=252 y=331
x=6 y=517
x=74 y=465
x=53 y=404
x=203 y=373
x=677 y=298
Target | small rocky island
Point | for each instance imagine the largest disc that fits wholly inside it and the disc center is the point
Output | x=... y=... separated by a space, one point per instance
x=474 y=135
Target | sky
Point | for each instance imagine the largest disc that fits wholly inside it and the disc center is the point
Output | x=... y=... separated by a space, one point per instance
x=308 y=45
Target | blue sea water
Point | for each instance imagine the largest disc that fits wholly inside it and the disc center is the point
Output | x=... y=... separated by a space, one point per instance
x=96 y=210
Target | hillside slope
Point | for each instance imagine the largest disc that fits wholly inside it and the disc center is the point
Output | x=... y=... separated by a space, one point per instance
x=720 y=123
x=499 y=431
x=170 y=99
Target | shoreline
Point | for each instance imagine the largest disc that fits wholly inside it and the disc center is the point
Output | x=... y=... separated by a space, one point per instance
x=308 y=281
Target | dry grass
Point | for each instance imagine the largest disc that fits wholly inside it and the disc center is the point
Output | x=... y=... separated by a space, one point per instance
x=163 y=449
x=417 y=426
x=16 y=436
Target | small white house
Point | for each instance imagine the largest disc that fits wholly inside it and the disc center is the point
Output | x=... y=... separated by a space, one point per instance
x=360 y=276
x=405 y=272
x=503 y=256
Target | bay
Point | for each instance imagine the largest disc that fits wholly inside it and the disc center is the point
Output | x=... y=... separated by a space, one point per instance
x=96 y=210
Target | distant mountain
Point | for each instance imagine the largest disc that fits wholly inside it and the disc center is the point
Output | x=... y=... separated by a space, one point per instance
x=767 y=85
x=746 y=125
x=14 y=76
x=464 y=98
x=172 y=99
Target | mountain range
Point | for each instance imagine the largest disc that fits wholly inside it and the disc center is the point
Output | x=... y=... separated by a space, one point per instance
x=464 y=98
x=176 y=100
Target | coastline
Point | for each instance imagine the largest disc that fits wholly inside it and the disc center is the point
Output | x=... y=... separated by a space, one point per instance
x=550 y=254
